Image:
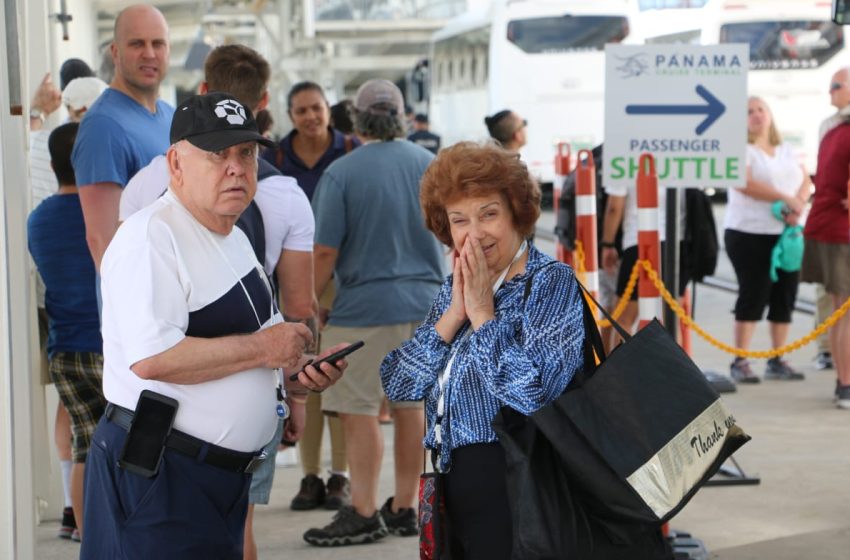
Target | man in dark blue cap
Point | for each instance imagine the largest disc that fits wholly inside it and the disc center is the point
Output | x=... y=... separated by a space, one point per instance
x=193 y=351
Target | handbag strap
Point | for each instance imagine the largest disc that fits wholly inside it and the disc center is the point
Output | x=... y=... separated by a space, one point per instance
x=617 y=327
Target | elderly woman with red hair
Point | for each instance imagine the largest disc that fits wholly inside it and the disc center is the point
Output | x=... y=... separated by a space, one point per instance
x=487 y=341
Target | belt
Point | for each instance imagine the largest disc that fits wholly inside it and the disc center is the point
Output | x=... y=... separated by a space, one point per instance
x=211 y=454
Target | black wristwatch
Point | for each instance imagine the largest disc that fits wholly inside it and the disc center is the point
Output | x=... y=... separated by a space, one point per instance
x=605 y=244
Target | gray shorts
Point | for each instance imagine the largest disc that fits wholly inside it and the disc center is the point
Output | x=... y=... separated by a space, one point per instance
x=360 y=391
x=827 y=264
x=262 y=479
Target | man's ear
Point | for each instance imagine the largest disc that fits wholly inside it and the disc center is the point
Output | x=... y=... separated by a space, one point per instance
x=264 y=102
x=174 y=169
x=203 y=88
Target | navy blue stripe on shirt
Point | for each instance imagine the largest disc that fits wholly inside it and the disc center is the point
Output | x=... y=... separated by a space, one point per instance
x=231 y=313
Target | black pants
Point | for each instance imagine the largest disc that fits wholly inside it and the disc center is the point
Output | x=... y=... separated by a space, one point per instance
x=477 y=503
x=750 y=254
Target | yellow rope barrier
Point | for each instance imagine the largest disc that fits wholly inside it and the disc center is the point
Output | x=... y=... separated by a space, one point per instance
x=687 y=320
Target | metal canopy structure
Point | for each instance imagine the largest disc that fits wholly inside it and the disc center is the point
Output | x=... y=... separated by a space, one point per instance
x=337 y=43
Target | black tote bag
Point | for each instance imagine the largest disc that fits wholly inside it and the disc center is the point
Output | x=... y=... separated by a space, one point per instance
x=632 y=440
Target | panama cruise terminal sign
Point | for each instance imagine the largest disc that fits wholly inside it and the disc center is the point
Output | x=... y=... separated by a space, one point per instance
x=684 y=104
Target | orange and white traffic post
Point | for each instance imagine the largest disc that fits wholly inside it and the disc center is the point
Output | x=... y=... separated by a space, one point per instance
x=649 y=241
x=562 y=169
x=586 y=218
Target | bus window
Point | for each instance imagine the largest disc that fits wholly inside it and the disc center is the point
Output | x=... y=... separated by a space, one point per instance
x=566 y=33
x=777 y=45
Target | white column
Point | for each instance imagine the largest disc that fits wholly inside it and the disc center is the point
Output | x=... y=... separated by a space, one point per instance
x=17 y=387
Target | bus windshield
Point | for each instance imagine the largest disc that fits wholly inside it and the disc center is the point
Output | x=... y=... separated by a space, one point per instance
x=567 y=33
x=780 y=45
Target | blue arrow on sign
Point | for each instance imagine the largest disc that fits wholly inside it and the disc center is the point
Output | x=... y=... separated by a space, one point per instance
x=712 y=109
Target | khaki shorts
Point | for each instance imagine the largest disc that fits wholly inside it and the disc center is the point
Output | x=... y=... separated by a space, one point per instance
x=827 y=264
x=360 y=391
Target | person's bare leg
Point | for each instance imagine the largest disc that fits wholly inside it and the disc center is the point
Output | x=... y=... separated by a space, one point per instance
x=779 y=334
x=840 y=343
x=408 y=454
x=744 y=333
x=364 y=448
x=249 y=546
x=310 y=444
x=78 y=472
x=62 y=433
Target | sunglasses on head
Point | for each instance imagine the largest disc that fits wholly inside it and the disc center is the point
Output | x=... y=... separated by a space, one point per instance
x=836 y=86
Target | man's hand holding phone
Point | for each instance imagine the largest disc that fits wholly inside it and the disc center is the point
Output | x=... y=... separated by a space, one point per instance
x=327 y=368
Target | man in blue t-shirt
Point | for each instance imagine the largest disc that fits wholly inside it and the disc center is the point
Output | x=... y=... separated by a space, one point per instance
x=56 y=235
x=128 y=125
x=387 y=268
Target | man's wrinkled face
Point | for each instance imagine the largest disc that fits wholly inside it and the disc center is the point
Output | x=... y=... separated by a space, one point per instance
x=214 y=186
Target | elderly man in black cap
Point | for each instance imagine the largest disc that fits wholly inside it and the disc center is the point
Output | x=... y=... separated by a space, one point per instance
x=194 y=348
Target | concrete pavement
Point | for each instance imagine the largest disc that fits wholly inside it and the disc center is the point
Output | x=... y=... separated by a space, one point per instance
x=800 y=450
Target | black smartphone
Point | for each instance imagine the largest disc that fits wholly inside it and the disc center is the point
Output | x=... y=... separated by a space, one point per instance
x=332 y=358
x=145 y=443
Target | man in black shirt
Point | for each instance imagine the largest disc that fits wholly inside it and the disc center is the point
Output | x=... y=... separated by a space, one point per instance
x=423 y=136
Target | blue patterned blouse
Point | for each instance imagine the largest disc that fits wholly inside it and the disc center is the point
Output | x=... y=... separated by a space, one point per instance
x=524 y=358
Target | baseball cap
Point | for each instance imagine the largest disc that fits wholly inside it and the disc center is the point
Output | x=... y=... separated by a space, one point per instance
x=374 y=95
x=421 y=118
x=71 y=69
x=215 y=121
x=82 y=92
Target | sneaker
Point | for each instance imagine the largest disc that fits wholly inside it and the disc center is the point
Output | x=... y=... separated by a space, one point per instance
x=740 y=371
x=348 y=527
x=286 y=458
x=75 y=536
x=843 y=397
x=402 y=523
x=777 y=368
x=824 y=361
x=311 y=495
x=337 y=492
x=69 y=524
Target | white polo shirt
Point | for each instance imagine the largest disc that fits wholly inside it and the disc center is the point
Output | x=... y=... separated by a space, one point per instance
x=164 y=277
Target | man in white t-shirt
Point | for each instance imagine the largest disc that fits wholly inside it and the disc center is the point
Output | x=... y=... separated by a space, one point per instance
x=189 y=315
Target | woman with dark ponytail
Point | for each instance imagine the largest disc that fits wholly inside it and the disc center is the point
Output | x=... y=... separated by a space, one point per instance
x=507 y=128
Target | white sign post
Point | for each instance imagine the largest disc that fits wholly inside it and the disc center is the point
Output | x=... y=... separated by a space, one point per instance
x=684 y=104
x=687 y=106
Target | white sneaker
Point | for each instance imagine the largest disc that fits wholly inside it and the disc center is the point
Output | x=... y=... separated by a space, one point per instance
x=286 y=458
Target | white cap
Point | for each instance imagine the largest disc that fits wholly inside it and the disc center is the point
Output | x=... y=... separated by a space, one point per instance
x=82 y=92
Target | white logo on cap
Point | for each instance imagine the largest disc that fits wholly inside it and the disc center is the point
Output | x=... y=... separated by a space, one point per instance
x=232 y=110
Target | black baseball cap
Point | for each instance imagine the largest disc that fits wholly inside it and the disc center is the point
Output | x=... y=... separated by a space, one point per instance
x=72 y=69
x=215 y=121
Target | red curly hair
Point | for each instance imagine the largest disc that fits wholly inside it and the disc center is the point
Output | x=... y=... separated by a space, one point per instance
x=472 y=170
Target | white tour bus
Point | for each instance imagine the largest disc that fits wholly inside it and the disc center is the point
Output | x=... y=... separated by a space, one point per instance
x=794 y=50
x=544 y=60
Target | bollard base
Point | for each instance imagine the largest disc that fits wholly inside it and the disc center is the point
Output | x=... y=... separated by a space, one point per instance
x=685 y=547
x=720 y=382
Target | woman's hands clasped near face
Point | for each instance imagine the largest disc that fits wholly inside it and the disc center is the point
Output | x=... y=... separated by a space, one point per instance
x=472 y=291
x=477 y=286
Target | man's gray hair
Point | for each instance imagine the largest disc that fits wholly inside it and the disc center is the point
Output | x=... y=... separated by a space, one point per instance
x=383 y=125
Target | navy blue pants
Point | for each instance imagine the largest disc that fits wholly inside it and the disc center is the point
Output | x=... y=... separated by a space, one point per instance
x=188 y=510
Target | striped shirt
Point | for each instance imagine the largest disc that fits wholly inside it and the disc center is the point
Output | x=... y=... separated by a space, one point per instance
x=524 y=358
